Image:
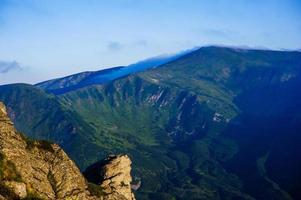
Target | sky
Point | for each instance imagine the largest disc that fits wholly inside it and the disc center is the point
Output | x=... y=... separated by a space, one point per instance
x=45 y=39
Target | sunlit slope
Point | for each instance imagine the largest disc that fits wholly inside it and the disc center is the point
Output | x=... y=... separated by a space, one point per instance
x=218 y=123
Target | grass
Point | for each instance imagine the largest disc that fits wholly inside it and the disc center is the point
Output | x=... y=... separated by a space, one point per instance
x=7 y=192
x=45 y=145
x=8 y=170
x=122 y=117
x=40 y=144
x=95 y=190
x=32 y=196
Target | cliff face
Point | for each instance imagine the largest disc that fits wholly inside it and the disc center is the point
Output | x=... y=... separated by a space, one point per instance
x=42 y=170
x=114 y=177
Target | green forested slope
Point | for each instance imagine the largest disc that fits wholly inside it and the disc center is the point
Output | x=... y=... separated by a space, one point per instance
x=217 y=123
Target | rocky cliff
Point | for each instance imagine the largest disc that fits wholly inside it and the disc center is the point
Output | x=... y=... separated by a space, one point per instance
x=113 y=174
x=40 y=170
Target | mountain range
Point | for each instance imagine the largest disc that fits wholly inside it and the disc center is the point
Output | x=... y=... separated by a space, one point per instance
x=211 y=123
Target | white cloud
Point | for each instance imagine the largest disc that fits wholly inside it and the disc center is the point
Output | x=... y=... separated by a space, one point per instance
x=6 y=66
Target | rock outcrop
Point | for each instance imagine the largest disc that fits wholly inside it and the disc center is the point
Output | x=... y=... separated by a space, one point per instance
x=40 y=170
x=116 y=178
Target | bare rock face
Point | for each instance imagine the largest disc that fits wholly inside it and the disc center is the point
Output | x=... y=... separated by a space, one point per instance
x=116 y=177
x=43 y=170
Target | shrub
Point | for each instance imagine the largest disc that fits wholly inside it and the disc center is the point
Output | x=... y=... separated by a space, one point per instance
x=42 y=144
x=1 y=166
x=33 y=196
x=45 y=145
x=95 y=190
x=6 y=192
x=8 y=170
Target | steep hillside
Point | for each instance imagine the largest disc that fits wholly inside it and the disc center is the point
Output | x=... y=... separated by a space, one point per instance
x=217 y=123
x=41 y=116
x=76 y=81
x=193 y=101
x=40 y=170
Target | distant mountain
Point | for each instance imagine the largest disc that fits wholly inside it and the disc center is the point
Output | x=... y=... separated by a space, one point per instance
x=72 y=82
x=216 y=123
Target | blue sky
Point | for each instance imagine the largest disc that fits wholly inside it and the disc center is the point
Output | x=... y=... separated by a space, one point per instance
x=44 y=39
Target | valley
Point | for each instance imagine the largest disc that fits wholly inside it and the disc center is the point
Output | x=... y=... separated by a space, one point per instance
x=215 y=123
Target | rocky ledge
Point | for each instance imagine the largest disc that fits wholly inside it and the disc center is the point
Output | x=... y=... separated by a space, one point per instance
x=41 y=170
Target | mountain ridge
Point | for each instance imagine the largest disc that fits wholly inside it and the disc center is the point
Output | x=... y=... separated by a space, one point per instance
x=190 y=123
x=82 y=79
